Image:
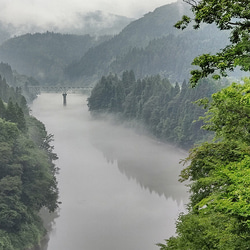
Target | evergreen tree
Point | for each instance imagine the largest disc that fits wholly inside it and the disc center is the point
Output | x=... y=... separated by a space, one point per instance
x=11 y=112
x=2 y=109
x=166 y=111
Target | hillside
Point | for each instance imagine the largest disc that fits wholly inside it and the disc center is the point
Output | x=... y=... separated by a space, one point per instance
x=45 y=55
x=150 y=45
x=165 y=111
x=18 y=81
x=170 y=56
x=27 y=172
x=137 y=34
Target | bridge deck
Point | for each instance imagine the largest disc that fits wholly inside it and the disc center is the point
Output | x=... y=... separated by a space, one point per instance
x=59 y=89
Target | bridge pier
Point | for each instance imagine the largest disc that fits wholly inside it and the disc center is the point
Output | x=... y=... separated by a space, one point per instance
x=64 y=99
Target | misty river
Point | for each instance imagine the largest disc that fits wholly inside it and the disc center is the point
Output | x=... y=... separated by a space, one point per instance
x=119 y=189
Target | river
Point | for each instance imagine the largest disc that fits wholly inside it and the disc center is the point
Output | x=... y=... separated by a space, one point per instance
x=119 y=189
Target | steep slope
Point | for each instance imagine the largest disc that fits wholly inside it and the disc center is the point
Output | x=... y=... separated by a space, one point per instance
x=170 y=56
x=44 y=56
x=137 y=34
x=150 y=45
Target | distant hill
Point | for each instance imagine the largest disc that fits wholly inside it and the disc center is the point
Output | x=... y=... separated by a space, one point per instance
x=4 y=33
x=44 y=56
x=170 y=56
x=17 y=81
x=95 y=23
x=150 y=45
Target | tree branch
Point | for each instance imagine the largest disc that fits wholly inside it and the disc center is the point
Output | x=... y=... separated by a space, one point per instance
x=191 y=2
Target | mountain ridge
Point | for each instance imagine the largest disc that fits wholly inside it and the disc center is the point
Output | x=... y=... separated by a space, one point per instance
x=148 y=45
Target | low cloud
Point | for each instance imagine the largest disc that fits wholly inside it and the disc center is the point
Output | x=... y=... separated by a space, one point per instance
x=55 y=15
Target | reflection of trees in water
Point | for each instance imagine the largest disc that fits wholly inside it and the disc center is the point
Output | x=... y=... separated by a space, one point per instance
x=154 y=167
x=159 y=182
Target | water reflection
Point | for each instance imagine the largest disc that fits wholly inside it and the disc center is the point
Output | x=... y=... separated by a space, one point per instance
x=152 y=164
x=119 y=190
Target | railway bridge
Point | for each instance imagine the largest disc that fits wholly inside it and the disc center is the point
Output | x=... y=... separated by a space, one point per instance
x=63 y=89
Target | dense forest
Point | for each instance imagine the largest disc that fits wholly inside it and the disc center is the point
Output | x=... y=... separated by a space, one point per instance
x=21 y=82
x=170 y=56
x=44 y=56
x=27 y=172
x=218 y=171
x=165 y=110
x=148 y=45
x=154 y=96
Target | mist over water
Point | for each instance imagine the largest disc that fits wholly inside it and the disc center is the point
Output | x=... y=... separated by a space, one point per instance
x=119 y=190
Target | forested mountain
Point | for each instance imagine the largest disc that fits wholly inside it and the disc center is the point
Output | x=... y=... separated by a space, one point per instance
x=44 y=56
x=218 y=170
x=169 y=56
x=22 y=82
x=150 y=45
x=27 y=172
x=166 y=111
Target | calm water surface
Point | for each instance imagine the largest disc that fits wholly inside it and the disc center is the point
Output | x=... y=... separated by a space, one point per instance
x=119 y=190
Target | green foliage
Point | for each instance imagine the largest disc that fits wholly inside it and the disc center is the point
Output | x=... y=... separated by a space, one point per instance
x=27 y=173
x=14 y=113
x=229 y=113
x=26 y=238
x=219 y=173
x=166 y=111
x=209 y=231
x=14 y=95
x=227 y=15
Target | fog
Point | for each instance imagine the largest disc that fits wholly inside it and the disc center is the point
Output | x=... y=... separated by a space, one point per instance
x=118 y=188
x=60 y=16
x=139 y=157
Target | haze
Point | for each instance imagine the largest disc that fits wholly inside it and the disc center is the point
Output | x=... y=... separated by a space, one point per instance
x=57 y=14
x=119 y=189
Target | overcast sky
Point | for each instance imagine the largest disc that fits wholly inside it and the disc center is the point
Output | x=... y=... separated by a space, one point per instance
x=55 y=12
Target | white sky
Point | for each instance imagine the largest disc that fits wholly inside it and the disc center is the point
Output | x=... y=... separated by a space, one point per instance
x=59 y=12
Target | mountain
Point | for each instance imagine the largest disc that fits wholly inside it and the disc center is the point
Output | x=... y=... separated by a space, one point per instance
x=97 y=23
x=18 y=81
x=170 y=56
x=150 y=45
x=4 y=33
x=44 y=56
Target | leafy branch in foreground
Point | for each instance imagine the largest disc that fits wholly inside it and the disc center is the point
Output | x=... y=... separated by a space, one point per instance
x=219 y=173
x=227 y=15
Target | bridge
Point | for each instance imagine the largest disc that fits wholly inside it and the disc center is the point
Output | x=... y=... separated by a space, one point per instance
x=64 y=90
x=59 y=89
